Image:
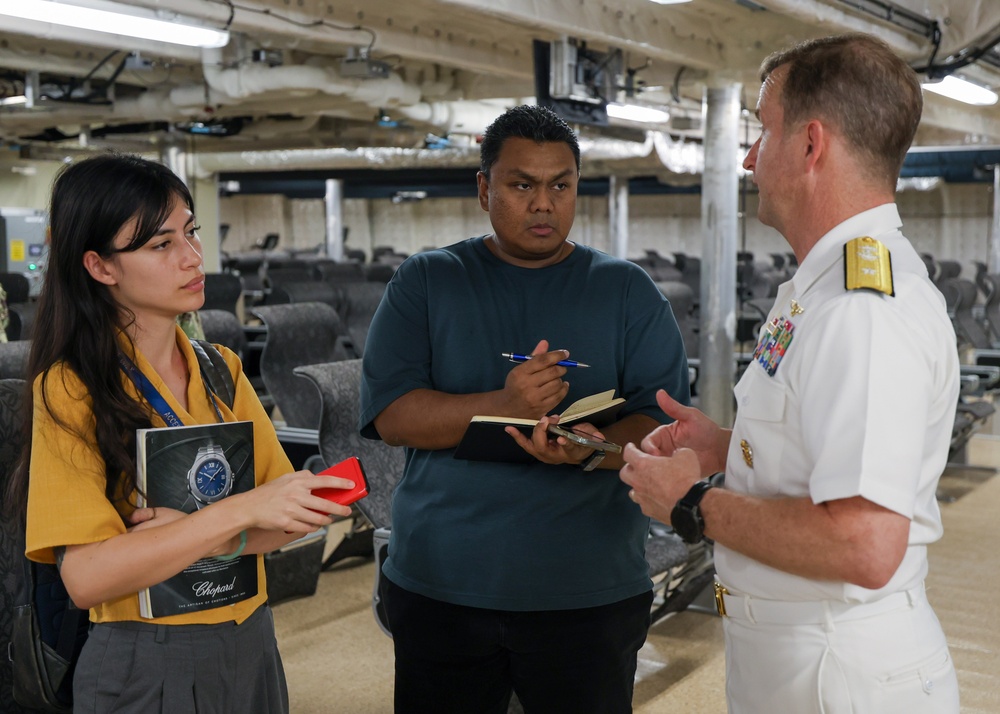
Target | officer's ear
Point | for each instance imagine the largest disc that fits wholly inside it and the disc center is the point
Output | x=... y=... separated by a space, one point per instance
x=816 y=137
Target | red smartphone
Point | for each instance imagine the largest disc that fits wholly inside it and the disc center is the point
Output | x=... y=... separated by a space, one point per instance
x=352 y=470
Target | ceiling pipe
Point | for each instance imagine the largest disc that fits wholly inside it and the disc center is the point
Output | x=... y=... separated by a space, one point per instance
x=818 y=12
x=675 y=156
x=261 y=22
x=386 y=157
x=304 y=30
x=26 y=61
x=254 y=80
x=459 y=117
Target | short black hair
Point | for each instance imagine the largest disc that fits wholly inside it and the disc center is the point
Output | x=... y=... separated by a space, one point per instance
x=525 y=122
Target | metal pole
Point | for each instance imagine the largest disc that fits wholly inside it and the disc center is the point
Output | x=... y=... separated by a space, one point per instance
x=994 y=249
x=618 y=216
x=719 y=228
x=175 y=159
x=334 y=201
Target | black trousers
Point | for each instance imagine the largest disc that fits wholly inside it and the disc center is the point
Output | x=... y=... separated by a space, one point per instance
x=452 y=659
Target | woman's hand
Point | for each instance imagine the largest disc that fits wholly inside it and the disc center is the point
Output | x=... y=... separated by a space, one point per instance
x=288 y=504
x=143 y=518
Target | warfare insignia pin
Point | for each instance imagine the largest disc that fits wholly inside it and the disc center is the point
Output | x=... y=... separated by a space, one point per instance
x=747 y=452
x=796 y=308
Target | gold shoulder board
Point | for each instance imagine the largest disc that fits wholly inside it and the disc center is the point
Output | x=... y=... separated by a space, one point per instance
x=867 y=265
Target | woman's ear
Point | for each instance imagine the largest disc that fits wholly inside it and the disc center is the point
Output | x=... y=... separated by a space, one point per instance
x=99 y=268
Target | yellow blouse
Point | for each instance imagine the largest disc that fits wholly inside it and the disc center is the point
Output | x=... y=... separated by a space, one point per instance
x=66 y=501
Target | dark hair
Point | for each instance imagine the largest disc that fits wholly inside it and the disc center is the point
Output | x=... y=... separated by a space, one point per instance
x=78 y=320
x=858 y=84
x=525 y=122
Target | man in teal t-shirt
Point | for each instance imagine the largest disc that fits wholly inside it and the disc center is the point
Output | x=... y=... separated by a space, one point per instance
x=509 y=577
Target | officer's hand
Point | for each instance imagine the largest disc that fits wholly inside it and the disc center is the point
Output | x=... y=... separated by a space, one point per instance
x=658 y=482
x=690 y=430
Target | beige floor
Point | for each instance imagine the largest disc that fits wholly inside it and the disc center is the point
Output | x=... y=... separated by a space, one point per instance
x=337 y=660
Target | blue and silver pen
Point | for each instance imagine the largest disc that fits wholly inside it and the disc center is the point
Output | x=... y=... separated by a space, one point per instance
x=514 y=357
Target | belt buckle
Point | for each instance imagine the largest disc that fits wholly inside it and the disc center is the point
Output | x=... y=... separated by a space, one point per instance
x=720 y=603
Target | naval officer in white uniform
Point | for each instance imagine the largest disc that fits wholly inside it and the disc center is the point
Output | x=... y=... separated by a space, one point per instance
x=843 y=418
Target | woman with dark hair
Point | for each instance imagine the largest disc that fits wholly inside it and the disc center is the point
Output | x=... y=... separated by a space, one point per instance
x=125 y=260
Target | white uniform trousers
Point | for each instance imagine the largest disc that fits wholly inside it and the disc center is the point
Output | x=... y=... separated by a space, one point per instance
x=826 y=657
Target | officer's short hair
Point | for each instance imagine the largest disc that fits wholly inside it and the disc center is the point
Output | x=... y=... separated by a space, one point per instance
x=859 y=85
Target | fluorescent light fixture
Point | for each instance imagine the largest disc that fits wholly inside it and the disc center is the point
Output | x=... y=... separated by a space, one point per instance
x=11 y=101
x=634 y=112
x=117 y=19
x=955 y=88
x=669 y=2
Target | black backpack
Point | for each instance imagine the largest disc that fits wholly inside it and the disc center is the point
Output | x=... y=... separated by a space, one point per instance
x=49 y=631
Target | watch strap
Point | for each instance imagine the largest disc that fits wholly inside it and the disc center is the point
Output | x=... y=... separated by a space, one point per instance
x=686 y=516
x=593 y=461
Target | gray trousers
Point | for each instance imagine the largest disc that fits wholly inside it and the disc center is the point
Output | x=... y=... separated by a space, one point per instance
x=181 y=669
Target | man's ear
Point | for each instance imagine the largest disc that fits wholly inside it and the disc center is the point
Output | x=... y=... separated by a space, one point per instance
x=483 y=183
x=816 y=137
x=98 y=268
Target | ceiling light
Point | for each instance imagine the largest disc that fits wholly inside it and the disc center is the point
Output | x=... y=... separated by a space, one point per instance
x=118 y=19
x=669 y=2
x=9 y=101
x=962 y=90
x=634 y=112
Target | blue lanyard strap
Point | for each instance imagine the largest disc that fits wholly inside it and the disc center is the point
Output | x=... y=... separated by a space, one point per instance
x=153 y=396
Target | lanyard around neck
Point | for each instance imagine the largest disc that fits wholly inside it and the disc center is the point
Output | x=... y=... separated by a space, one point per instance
x=154 y=397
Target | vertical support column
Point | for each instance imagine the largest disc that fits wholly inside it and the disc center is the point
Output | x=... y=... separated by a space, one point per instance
x=719 y=229
x=205 y=192
x=334 y=201
x=993 y=262
x=175 y=159
x=206 y=205
x=618 y=216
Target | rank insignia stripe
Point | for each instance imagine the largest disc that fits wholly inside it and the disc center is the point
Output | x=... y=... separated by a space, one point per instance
x=868 y=266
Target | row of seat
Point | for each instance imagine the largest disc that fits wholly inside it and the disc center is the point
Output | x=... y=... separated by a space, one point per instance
x=756 y=278
x=974 y=309
x=261 y=271
x=20 y=307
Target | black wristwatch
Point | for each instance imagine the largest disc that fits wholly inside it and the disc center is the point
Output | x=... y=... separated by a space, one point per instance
x=686 y=517
x=593 y=461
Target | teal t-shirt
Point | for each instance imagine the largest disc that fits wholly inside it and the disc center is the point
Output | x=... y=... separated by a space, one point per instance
x=515 y=536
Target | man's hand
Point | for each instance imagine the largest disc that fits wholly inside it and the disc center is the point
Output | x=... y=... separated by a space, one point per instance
x=560 y=450
x=690 y=430
x=534 y=388
x=659 y=482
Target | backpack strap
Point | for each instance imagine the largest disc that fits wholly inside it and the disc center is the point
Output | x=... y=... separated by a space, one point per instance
x=72 y=620
x=215 y=371
x=72 y=616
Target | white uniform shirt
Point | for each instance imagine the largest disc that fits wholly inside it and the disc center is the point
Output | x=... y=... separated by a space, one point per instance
x=861 y=403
